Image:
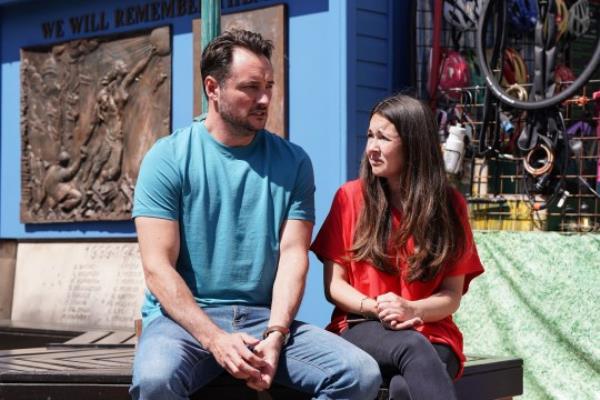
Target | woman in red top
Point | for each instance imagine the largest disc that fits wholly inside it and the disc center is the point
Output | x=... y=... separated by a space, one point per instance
x=399 y=254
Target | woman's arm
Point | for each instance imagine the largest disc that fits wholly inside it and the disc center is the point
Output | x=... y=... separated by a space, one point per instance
x=394 y=310
x=339 y=292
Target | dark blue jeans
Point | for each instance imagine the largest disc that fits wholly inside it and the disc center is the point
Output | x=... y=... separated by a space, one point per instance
x=415 y=369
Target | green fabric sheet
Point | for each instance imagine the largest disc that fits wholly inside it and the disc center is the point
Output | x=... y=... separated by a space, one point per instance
x=539 y=300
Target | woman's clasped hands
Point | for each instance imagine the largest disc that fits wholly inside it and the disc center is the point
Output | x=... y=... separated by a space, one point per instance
x=396 y=312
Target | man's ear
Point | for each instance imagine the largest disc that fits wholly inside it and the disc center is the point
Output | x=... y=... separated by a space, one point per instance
x=212 y=88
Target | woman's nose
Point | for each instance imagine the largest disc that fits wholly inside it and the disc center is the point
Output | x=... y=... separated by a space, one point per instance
x=372 y=146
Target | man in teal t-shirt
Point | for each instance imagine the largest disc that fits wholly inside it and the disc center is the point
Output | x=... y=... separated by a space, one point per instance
x=224 y=212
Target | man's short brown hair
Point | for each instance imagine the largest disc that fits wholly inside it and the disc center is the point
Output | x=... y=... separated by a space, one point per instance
x=218 y=54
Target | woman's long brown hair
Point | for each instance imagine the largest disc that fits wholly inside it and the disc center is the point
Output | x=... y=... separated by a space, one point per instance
x=428 y=215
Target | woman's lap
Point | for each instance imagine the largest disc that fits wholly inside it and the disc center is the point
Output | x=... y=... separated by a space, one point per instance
x=378 y=341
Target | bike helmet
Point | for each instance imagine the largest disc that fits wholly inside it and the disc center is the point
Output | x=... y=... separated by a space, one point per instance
x=462 y=14
x=517 y=91
x=562 y=18
x=514 y=69
x=563 y=77
x=522 y=14
x=454 y=71
x=580 y=129
x=575 y=132
x=477 y=78
x=579 y=18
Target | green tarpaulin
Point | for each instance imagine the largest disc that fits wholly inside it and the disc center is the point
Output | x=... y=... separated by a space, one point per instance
x=539 y=300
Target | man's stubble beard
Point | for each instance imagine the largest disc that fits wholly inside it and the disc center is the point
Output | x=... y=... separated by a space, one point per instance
x=240 y=127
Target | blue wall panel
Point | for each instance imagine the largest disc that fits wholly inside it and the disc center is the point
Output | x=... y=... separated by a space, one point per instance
x=372 y=23
x=374 y=75
x=380 y=6
x=318 y=123
x=366 y=97
x=0 y=116
x=372 y=49
x=378 y=34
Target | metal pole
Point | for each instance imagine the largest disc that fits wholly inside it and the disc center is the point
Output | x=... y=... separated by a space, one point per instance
x=211 y=27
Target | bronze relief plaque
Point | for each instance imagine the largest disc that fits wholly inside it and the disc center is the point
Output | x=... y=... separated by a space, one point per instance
x=270 y=23
x=90 y=109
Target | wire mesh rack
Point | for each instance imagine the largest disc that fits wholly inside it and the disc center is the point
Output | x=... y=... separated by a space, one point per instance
x=496 y=186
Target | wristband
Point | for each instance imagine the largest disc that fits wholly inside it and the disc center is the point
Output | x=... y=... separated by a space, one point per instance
x=361 y=312
x=278 y=328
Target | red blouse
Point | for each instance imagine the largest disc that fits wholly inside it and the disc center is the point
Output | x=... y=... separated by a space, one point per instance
x=335 y=238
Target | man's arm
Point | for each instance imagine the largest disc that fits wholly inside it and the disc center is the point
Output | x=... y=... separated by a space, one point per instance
x=287 y=293
x=291 y=272
x=159 y=247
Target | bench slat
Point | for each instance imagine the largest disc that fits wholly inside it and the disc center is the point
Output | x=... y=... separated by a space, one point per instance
x=17 y=363
x=116 y=337
x=132 y=341
x=8 y=367
x=88 y=337
x=17 y=352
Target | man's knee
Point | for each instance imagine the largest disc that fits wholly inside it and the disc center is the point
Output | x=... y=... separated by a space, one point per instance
x=154 y=381
x=158 y=367
x=371 y=377
x=360 y=377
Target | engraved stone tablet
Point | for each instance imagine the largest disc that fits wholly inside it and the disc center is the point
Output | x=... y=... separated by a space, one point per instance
x=84 y=285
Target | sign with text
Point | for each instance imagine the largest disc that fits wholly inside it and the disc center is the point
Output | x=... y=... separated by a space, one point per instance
x=146 y=12
x=83 y=285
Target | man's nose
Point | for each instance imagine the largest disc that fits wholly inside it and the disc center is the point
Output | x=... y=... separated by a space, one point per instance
x=264 y=98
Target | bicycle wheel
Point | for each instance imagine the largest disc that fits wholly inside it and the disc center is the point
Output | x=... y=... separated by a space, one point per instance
x=501 y=94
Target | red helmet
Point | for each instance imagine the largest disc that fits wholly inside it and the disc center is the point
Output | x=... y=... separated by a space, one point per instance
x=454 y=71
x=514 y=69
x=563 y=77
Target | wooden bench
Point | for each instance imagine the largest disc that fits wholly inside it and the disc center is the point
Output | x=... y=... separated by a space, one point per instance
x=54 y=356
x=18 y=335
x=97 y=365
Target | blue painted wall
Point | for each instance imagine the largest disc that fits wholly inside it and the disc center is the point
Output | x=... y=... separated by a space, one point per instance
x=378 y=64
x=21 y=26
x=340 y=62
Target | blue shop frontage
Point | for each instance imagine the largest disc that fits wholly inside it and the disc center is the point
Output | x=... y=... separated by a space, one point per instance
x=86 y=87
x=338 y=58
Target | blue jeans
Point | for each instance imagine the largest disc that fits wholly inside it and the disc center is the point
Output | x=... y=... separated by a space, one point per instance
x=171 y=364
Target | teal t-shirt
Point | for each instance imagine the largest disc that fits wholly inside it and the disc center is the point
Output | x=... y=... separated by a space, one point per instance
x=230 y=203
